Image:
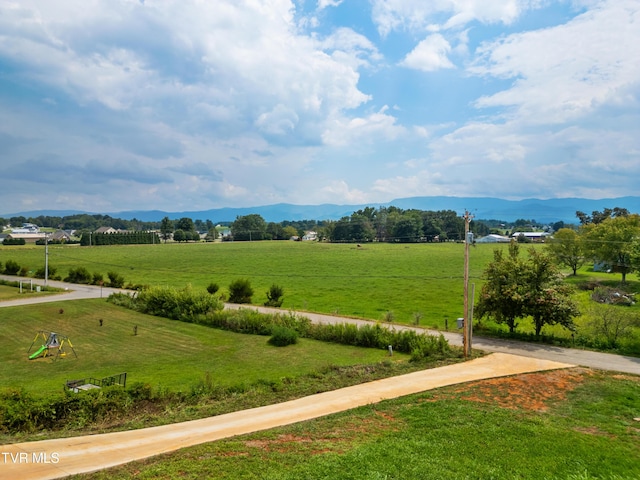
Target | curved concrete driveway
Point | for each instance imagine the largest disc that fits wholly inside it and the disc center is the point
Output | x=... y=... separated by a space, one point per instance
x=66 y=456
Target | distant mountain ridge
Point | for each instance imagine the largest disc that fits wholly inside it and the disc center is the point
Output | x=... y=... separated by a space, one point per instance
x=482 y=208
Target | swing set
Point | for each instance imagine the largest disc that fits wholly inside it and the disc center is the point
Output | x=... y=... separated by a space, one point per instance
x=55 y=345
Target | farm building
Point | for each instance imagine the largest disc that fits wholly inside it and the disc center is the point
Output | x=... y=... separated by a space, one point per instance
x=532 y=236
x=493 y=238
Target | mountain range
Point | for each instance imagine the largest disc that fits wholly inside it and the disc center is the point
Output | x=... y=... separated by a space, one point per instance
x=546 y=211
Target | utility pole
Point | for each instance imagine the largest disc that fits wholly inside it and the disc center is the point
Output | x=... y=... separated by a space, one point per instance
x=466 y=326
x=46 y=258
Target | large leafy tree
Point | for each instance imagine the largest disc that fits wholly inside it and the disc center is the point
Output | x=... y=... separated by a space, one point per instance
x=517 y=288
x=409 y=228
x=614 y=242
x=166 y=229
x=249 y=227
x=566 y=247
x=599 y=217
x=185 y=224
x=547 y=298
x=501 y=296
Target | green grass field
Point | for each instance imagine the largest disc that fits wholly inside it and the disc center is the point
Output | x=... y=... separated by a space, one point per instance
x=331 y=278
x=157 y=355
x=584 y=432
x=366 y=281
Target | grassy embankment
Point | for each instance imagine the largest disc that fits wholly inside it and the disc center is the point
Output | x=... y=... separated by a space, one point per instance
x=574 y=424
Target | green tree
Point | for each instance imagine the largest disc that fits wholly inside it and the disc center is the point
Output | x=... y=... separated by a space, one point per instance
x=288 y=232
x=185 y=224
x=614 y=241
x=179 y=235
x=249 y=227
x=166 y=229
x=408 y=229
x=566 y=247
x=517 y=288
x=501 y=296
x=547 y=298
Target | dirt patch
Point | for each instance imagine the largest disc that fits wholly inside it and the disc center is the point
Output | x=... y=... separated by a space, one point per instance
x=532 y=391
x=338 y=439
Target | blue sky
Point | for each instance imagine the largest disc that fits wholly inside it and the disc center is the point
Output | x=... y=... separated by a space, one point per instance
x=177 y=105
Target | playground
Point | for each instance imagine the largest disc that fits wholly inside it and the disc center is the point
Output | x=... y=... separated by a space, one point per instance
x=54 y=345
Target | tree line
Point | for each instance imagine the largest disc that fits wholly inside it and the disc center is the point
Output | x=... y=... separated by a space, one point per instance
x=385 y=224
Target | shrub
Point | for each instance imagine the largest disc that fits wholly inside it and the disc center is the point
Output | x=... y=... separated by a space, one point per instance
x=186 y=305
x=240 y=291
x=24 y=271
x=97 y=278
x=283 y=336
x=11 y=267
x=212 y=288
x=78 y=275
x=274 y=296
x=40 y=273
x=115 y=280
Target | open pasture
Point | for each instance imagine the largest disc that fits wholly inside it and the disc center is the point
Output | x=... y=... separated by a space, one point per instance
x=365 y=281
x=409 y=280
x=158 y=353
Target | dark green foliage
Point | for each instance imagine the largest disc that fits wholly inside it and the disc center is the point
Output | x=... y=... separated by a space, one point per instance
x=11 y=267
x=115 y=280
x=40 y=273
x=213 y=288
x=21 y=412
x=127 y=238
x=240 y=291
x=283 y=336
x=249 y=228
x=186 y=305
x=274 y=296
x=256 y=323
x=79 y=275
x=97 y=279
x=14 y=241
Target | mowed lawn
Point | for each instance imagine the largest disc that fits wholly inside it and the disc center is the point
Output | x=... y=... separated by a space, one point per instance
x=164 y=353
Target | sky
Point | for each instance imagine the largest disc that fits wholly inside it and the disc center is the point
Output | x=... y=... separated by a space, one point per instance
x=174 y=105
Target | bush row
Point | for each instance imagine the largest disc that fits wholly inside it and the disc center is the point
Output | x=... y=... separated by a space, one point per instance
x=191 y=306
x=76 y=275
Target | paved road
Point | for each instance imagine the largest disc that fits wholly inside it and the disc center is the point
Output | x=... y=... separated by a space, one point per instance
x=585 y=358
x=600 y=361
x=66 y=456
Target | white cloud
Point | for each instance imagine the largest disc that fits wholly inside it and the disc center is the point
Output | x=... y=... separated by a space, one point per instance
x=322 y=4
x=429 y=55
x=420 y=15
x=373 y=128
x=564 y=72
